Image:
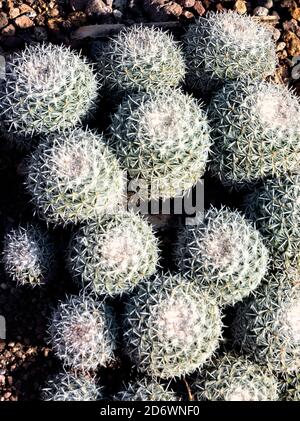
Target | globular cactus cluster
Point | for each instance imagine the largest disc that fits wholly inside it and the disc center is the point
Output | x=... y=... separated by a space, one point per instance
x=226 y=46
x=145 y=390
x=47 y=88
x=160 y=304
x=67 y=386
x=234 y=378
x=171 y=326
x=224 y=254
x=112 y=256
x=163 y=140
x=29 y=255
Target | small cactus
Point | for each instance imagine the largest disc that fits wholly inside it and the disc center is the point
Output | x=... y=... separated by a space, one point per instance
x=225 y=46
x=73 y=177
x=232 y=378
x=28 y=255
x=256 y=132
x=163 y=140
x=82 y=332
x=47 y=88
x=290 y=386
x=275 y=207
x=141 y=59
x=171 y=328
x=113 y=255
x=267 y=327
x=145 y=390
x=224 y=253
x=69 y=387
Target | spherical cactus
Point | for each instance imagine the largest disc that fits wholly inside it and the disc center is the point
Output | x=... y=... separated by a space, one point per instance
x=73 y=177
x=28 y=255
x=232 y=378
x=69 y=387
x=146 y=390
x=163 y=140
x=268 y=326
x=112 y=256
x=142 y=59
x=47 y=88
x=290 y=386
x=276 y=209
x=82 y=333
x=256 y=132
x=224 y=253
x=171 y=327
x=226 y=46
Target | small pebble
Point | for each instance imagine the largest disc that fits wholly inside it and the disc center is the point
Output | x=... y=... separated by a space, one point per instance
x=187 y=14
x=280 y=46
x=9 y=31
x=200 y=9
x=24 y=22
x=240 y=7
x=3 y=20
x=268 y=4
x=260 y=11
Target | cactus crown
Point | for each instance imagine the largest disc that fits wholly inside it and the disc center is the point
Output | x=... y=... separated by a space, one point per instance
x=254 y=136
x=142 y=59
x=145 y=390
x=82 y=332
x=112 y=256
x=171 y=327
x=48 y=88
x=73 y=177
x=226 y=46
x=224 y=254
x=69 y=387
x=28 y=255
x=163 y=139
x=232 y=378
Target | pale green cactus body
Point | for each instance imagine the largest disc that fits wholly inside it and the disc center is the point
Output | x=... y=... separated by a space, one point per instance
x=113 y=255
x=163 y=141
x=256 y=132
x=224 y=253
x=171 y=328
x=28 y=255
x=73 y=177
x=235 y=378
x=82 y=332
x=47 y=88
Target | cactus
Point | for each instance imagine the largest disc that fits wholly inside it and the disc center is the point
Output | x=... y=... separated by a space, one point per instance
x=233 y=378
x=145 y=390
x=28 y=255
x=171 y=327
x=290 y=386
x=82 y=332
x=163 y=140
x=224 y=253
x=267 y=327
x=73 y=177
x=47 y=88
x=69 y=387
x=141 y=59
x=112 y=256
x=256 y=132
x=226 y=46
x=276 y=209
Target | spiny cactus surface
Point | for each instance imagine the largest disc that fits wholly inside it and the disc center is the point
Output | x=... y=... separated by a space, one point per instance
x=163 y=140
x=141 y=59
x=82 y=332
x=256 y=132
x=47 y=88
x=69 y=387
x=73 y=177
x=225 y=46
x=28 y=255
x=113 y=255
x=233 y=378
x=224 y=253
x=145 y=390
x=171 y=327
